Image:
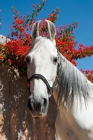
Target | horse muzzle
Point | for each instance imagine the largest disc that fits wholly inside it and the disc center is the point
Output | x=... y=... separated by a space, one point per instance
x=38 y=109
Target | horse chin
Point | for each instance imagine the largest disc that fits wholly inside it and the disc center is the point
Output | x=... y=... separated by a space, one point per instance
x=37 y=115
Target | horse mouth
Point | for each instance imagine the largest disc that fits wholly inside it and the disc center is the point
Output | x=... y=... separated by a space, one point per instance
x=37 y=115
x=34 y=114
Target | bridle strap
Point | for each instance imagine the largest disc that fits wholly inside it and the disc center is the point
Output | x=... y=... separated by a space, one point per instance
x=39 y=76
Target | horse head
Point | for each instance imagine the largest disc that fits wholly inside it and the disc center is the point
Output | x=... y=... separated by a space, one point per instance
x=42 y=63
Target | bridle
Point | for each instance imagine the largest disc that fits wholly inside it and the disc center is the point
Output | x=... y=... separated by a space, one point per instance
x=39 y=76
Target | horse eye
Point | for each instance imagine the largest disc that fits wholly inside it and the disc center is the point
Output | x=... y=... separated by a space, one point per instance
x=55 y=60
x=28 y=59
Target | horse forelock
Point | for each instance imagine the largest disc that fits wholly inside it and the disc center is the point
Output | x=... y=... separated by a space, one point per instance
x=36 y=42
x=39 y=42
x=71 y=83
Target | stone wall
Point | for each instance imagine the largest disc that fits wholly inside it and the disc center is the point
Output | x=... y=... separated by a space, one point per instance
x=15 y=118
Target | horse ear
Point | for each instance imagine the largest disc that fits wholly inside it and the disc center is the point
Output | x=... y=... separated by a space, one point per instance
x=51 y=30
x=35 y=29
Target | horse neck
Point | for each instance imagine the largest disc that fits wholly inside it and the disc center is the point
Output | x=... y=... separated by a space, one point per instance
x=79 y=103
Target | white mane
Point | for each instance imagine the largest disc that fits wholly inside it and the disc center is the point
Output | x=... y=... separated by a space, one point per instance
x=72 y=82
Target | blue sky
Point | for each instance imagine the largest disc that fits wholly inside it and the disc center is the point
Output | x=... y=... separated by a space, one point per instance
x=70 y=11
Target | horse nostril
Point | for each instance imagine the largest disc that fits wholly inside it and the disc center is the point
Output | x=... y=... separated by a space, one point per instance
x=45 y=101
x=29 y=105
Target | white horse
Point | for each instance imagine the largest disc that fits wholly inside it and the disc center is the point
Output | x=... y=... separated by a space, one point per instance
x=49 y=72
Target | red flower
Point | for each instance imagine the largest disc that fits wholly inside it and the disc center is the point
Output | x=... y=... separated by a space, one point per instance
x=1 y=56
x=18 y=21
x=9 y=61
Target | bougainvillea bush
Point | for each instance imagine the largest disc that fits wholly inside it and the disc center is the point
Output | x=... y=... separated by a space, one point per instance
x=14 y=51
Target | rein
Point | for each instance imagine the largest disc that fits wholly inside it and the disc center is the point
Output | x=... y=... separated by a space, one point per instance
x=39 y=76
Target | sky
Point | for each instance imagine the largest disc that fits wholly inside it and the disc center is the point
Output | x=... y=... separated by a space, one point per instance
x=70 y=11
